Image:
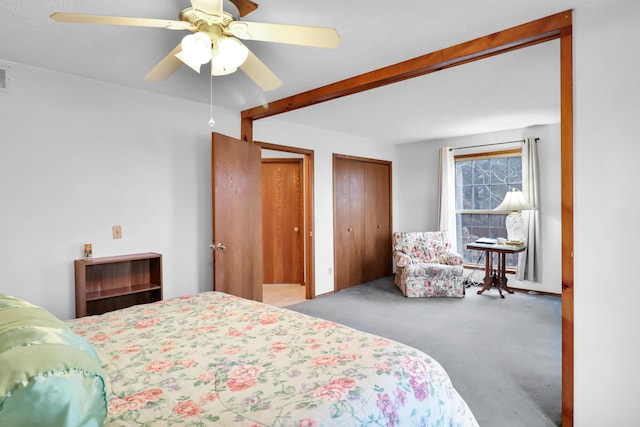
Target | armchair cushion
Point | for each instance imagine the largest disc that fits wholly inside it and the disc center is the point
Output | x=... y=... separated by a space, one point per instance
x=416 y=246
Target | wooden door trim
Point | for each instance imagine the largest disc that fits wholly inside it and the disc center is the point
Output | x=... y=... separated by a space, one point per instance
x=360 y=159
x=558 y=26
x=282 y=160
x=307 y=176
x=566 y=183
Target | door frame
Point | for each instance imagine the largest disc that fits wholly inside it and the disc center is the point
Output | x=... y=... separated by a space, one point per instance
x=307 y=185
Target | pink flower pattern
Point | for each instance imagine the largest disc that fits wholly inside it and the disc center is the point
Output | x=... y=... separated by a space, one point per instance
x=218 y=359
x=335 y=391
x=243 y=377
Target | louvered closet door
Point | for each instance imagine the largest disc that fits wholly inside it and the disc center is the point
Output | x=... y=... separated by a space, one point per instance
x=349 y=189
x=377 y=220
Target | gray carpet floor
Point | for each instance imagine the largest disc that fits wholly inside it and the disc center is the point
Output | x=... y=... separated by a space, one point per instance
x=502 y=355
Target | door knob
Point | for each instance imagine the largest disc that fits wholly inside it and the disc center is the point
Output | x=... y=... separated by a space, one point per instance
x=296 y=229
x=219 y=247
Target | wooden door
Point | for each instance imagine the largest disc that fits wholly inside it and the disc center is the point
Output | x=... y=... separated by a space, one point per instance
x=349 y=189
x=362 y=220
x=282 y=221
x=377 y=261
x=237 y=217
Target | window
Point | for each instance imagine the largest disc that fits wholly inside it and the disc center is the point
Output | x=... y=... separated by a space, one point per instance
x=482 y=180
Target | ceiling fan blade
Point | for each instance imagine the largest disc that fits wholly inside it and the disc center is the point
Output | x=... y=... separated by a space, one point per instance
x=79 y=18
x=166 y=67
x=260 y=73
x=212 y=7
x=245 y=7
x=282 y=33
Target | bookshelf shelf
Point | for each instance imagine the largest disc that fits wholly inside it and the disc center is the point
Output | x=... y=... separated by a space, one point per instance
x=110 y=283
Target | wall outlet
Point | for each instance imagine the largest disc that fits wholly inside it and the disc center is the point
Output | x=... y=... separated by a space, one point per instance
x=116 y=232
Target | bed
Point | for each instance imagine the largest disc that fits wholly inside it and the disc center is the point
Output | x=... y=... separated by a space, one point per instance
x=214 y=359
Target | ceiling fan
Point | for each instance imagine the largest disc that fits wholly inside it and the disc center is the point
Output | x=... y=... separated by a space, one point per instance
x=215 y=39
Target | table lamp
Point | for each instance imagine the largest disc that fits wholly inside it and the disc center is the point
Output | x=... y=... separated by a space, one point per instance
x=515 y=202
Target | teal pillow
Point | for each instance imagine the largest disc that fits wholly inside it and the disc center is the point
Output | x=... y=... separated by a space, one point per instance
x=49 y=376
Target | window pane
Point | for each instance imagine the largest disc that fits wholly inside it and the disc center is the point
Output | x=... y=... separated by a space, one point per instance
x=497 y=221
x=479 y=220
x=467 y=194
x=481 y=172
x=497 y=195
x=499 y=170
x=464 y=173
x=481 y=197
x=512 y=261
x=515 y=171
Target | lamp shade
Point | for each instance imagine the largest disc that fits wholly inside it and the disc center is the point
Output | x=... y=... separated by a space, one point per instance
x=197 y=48
x=228 y=55
x=514 y=201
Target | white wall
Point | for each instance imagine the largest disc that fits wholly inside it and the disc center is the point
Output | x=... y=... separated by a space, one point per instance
x=325 y=144
x=78 y=156
x=418 y=208
x=607 y=108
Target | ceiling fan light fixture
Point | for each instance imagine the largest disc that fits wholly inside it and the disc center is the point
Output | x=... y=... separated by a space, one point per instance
x=221 y=70
x=196 y=48
x=228 y=55
x=195 y=66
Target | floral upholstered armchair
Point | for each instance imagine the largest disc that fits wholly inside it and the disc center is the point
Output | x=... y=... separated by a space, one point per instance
x=426 y=266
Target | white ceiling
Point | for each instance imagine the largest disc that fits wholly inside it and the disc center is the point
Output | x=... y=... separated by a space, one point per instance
x=505 y=92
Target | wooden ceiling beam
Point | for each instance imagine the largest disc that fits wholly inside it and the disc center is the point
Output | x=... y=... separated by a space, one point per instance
x=524 y=35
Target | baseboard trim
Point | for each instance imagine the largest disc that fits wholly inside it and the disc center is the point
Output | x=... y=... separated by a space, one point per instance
x=325 y=294
x=533 y=292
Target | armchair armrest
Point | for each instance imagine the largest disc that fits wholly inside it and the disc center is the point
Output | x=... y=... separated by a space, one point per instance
x=453 y=258
x=402 y=259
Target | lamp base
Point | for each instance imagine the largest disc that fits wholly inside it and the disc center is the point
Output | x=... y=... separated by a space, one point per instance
x=514 y=223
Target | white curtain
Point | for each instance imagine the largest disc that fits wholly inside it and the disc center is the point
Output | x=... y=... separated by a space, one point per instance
x=447 y=195
x=529 y=262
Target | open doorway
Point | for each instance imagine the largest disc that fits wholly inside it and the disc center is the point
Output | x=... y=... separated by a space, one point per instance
x=558 y=26
x=288 y=253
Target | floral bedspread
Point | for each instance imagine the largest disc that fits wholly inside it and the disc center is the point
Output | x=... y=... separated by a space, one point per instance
x=213 y=359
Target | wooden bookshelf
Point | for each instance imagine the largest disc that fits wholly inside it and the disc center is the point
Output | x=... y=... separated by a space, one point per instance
x=110 y=283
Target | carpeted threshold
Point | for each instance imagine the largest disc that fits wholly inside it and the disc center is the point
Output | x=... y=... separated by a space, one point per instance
x=503 y=355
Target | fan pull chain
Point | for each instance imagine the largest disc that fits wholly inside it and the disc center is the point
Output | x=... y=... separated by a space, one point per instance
x=211 y=121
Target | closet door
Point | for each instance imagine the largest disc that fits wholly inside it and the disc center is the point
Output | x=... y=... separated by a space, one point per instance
x=377 y=220
x=348 y=190
x=362 y=220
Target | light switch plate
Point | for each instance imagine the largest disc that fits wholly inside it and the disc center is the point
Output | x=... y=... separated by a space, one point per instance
x=116 y=231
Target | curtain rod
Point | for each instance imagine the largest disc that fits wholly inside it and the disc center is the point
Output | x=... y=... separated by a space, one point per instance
x=486 y=145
